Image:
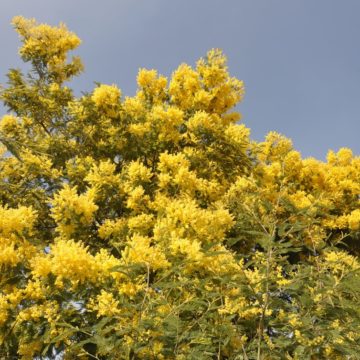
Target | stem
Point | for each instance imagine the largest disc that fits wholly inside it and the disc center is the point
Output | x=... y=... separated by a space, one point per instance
x=265 y=305
x=245 y=355
x=91 y=355
x=146 y=290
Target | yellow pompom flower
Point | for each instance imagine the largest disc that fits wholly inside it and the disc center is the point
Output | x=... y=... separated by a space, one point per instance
x=106 y=95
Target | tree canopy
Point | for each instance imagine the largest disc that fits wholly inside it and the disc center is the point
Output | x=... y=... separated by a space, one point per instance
x=153 y=227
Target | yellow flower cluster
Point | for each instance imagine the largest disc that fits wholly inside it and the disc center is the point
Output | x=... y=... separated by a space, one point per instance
x=354 y=219
x=152 y=85
x=70 y=260
x=70 y=209
x=9 y=123
x=8 y=253
x=40 y=163
x=140 y=251
x=104 y=304
x=42 y=41
x=301 y=200
x=137 y=199
x=184 y=84
x=59 y=40
x=167 y=121
x=137 y=172
x=174 y=172
x=103 y=175
x=112 y=228
x=185 y=219
x=141 y=224
x=15 y=226
x=107 y=98
x=339 y=261
x=244 y=308
x=134 y=107
x=27 y=350
x=308 y=342
x=208 y=88
x=16 y=220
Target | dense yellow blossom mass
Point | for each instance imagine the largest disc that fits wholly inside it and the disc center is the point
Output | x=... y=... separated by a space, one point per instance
x=153 y=227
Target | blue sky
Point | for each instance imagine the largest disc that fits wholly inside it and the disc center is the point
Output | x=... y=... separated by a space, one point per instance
x=299 y=59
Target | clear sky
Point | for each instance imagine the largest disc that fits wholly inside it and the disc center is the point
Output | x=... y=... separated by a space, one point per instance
x=299 y=59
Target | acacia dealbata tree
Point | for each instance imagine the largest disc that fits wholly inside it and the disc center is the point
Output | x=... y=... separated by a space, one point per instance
x=152 y=227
